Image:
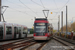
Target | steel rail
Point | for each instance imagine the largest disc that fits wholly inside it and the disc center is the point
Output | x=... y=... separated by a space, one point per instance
x=13 y=44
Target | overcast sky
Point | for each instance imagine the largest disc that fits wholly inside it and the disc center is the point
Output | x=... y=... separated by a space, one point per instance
x=24 y=11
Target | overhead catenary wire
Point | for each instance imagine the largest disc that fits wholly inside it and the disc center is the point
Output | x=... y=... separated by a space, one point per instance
x=21 y=12
x=18 y=10
x=15 y=4
x=64 y=5
x=42 y=3
x=61 y=8
x=27 y=7
x=56 y=4
x=37 y=3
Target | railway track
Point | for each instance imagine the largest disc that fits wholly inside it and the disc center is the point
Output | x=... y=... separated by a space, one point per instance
x=52 y=44
x=65 y=42
x=42 y=44
x=12 y=41
x=34 y=45
x=37 y=46
x=58 y=44
x=16 y=44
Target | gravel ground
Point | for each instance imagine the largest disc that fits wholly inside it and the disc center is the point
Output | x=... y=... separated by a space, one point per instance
x=54 y=45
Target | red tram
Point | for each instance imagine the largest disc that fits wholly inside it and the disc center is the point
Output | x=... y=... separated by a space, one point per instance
x=42 y=29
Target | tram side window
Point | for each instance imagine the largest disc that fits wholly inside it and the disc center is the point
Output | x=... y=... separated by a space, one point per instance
x=1 y=29
x=8 y=30
x=19 y=30
x=24 y=30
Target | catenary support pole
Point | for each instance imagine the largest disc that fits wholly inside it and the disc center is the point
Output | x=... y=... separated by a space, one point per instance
x=66 y=20
x=0 y=10
x=62 y=22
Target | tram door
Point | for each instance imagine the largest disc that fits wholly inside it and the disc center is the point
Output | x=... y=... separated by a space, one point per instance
x=15 y=32
x=1 y=32
x=8 y=32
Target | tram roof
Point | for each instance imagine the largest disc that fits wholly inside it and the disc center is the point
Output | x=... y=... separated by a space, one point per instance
x=41 y=19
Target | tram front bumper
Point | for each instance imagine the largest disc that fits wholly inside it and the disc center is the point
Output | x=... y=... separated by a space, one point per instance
x=40 y=37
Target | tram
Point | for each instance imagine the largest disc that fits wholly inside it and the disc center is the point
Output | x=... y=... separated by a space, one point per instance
x=42 y=29
x=12 y=31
